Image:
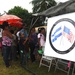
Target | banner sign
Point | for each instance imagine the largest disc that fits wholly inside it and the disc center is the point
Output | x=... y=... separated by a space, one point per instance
x=60 y=39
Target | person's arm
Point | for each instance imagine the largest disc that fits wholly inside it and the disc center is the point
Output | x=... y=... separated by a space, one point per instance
x=39 y=42
x=39 y=37
x=9 y=34
x=25 y=41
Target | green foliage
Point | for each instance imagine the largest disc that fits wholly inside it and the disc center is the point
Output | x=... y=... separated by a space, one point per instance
x=41 y=5
x=22 y=13
x=25 y=16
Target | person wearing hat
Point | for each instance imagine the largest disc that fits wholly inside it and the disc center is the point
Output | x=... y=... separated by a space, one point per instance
x=6 y=43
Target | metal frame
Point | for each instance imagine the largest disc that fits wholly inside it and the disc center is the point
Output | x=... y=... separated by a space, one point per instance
x=73 y=71
x=63 y=63
x=47 y=59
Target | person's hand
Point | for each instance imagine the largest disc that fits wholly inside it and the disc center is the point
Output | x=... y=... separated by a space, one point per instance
x=26 y=39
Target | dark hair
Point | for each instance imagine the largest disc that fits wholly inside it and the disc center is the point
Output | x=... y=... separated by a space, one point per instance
x=24 y=24
x=12 y=31
x=1 y=26
x=40 y=29
x=5 y=24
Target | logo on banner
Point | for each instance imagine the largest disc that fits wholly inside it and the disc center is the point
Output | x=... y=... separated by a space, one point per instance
x=62 y=33
x=68 y=34
x=58 y=35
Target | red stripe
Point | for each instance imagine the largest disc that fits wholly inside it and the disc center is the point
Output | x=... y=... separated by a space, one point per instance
x=70 y=36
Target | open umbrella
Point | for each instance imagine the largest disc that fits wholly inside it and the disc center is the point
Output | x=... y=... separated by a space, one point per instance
x=9 y=18
x=16 y=24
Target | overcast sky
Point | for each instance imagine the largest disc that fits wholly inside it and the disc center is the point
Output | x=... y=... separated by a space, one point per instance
x=6 y=5
x=61 y=0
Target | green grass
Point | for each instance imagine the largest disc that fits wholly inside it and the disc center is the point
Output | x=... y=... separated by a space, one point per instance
x=16 y=69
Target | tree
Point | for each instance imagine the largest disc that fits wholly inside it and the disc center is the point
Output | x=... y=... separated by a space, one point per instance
x=25 y=16
x=41 y=5
x=22 y=13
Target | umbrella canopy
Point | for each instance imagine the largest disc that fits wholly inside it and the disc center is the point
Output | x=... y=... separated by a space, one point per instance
x=9 y=18
x=61 y=8
x=16 y=24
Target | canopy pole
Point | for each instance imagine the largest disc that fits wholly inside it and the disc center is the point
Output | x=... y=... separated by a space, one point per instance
x=32 y=21
x=33 y=24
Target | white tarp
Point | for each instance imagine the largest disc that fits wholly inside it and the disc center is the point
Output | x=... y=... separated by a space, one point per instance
x=60 y=39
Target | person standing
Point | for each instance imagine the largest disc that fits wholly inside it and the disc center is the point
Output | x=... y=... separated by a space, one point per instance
x=41 y=38
x=32 y=43
x=24 y=31
x=1 y=30
x=22 y=49
x=18 y=39
x=13 y=53
x=6 y=43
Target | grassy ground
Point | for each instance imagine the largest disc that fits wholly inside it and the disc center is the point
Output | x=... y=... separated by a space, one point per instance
x=16 y=69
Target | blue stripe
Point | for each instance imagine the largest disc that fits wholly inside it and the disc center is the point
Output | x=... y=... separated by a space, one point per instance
x=56 y=31
x=66 y=30
x=57 y=36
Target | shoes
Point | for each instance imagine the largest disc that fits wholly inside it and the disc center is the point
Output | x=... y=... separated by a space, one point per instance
x=34 y=61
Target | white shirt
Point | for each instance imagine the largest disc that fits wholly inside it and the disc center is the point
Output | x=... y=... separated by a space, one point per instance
x=1 y=30
x=18 y=35
x=42 y=39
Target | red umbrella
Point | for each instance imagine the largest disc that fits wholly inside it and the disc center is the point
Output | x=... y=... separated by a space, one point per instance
x=9 y=18
x=16 y=24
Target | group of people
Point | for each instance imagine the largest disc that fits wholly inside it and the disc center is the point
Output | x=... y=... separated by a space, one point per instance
x=21 y=43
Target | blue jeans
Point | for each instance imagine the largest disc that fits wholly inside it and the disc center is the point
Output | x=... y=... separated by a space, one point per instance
x=6 y=54
x=13 y=53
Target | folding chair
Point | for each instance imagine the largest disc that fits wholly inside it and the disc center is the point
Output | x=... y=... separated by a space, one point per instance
x=61 y=65
x=46 y=59
x=73 y=71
